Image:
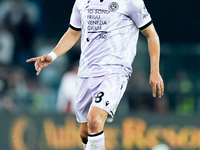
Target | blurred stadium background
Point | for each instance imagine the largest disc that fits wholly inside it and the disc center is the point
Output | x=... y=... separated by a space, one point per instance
x=32 y=119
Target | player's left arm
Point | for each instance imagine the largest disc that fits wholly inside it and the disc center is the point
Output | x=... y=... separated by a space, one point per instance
x=155 y=79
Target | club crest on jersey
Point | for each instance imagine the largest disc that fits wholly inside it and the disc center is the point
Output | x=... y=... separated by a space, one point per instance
x=144 y=11
x=113 y=6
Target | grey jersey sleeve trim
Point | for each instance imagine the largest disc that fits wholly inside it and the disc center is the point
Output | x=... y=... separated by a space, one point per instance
x=146 y=25
x=74 y=28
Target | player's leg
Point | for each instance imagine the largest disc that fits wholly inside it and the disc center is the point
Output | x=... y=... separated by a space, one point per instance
x=84 y=134
x=106 y=97
x=96 y=120
x=100 y=95
x=83 y=101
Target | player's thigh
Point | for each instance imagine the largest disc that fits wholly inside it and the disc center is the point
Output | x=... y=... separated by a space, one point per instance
x=83 y=100
x=108 y=94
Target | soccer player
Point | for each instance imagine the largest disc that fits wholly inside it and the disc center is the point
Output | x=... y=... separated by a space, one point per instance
x=109 y=32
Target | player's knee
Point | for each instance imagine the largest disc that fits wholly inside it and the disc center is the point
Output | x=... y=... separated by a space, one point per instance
x=94 y=123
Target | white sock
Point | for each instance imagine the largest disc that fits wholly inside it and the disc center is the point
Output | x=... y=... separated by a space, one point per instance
x=96 y=141
x=84 y=146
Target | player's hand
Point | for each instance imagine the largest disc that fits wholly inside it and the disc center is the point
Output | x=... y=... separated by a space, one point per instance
x=41 y=62
x=157 y=84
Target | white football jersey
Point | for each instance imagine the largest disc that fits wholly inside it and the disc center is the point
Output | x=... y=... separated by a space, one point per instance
x=110 y=32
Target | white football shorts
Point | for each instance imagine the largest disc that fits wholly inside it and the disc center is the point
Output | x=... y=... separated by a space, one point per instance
x=104 y=92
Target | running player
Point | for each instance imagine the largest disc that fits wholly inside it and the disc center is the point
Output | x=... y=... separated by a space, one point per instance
x=109 y=32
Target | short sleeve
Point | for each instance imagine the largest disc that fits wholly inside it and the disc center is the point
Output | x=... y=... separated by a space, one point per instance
x=139 y=14
x=75 y=20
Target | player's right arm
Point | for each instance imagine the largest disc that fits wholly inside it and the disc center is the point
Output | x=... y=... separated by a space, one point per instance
x=64 y=45
x=67 y=42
